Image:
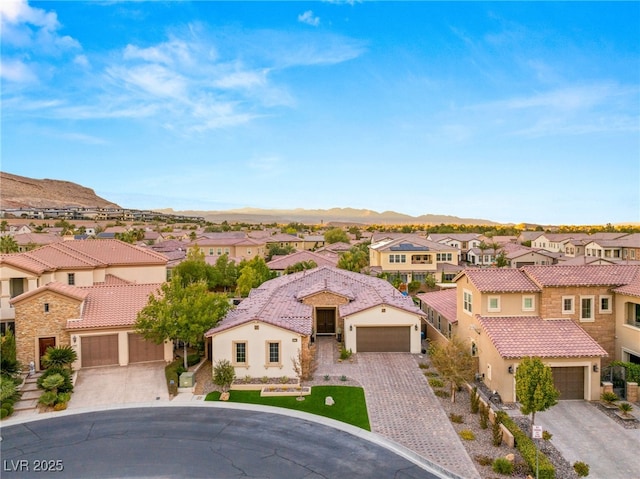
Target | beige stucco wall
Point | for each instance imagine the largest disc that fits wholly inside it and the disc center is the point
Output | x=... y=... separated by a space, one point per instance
x=627 y=336
x=375 y=317
x=7 y=273
x=510 y=304
x=223 y=348
x=32 y=323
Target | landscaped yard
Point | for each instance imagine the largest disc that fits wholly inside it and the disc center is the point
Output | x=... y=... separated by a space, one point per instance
x=349 y=407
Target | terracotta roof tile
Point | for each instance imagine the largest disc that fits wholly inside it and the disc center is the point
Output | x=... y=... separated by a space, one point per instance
x=444 y=302
x=113 y=305
x=631 y=289
x=282 y=262
x=586 y=275
x=64 y=289
x=277 y=302
x=517 y=337
x=500 y=280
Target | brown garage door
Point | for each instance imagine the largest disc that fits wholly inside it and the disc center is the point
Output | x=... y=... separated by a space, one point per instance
x=383 y=339
x=569 y=381
x=99 y=350
x=141 y=350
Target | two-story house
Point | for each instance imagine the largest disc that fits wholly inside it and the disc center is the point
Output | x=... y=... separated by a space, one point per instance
x=461 y=241
x=233 y=244
x=85 y=294
x=576 y=318
x=410 y=257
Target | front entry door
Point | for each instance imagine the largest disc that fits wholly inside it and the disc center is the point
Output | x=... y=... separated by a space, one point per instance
x=43 y=344
x=326 y=321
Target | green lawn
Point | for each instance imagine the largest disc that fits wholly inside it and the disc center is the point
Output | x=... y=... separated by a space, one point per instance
x=349 y=407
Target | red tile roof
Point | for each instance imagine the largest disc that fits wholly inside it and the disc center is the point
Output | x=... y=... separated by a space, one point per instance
x=277 y=302
x=500 y=280
x=585 y=275
x=64 y=289
x=444 y=302
x=517 y=337
x=282 y=262
x=631 y=289
x=113 y=305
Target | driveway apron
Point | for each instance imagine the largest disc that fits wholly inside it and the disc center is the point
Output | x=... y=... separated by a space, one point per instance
x=402 y=406
x=582 y=433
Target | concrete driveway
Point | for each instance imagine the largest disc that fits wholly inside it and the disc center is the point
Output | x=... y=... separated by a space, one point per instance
x=583 y=433
x=113 y=385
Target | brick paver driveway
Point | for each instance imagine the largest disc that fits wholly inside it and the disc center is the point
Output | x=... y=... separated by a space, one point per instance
x=402 y=406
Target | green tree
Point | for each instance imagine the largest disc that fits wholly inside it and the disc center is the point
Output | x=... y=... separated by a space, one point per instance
x=277 y=250
x=454 y=363
x=194 y=269
x=501 y=260
x=8 y=244
x=534 y=387
x=181 y=313
x=252 y=274
x=356 y=259
x=9 y=365
x=223 y=374
x=300 y=266
x=225 y=273
x=335 y=235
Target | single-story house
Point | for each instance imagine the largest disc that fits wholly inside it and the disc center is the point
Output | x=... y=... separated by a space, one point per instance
x=265 y=332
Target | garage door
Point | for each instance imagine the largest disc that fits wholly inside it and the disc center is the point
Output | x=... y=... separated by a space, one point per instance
x=99 y=350
x=141 y=350
x=569 y=381
x=383 y=339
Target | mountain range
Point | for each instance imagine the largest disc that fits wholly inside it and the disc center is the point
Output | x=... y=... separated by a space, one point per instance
x=22 y=192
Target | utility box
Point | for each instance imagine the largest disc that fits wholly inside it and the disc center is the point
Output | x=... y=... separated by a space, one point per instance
x=186 y=380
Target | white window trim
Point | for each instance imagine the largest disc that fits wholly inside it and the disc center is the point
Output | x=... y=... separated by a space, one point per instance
x=591 y=318
x=610 y=309
x=533 y=302
x=497 y=308
x=573 y=305
x=464 y=302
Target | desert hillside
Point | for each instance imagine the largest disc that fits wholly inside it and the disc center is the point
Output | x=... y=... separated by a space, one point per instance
x=21 y=192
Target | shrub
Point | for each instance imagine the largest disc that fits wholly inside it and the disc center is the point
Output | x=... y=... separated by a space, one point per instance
x=431 y=374
x=63 y=398
x=474 y=401
x=284 y=379
x=171 y=374
x=502 y=466
x=8 y=390
x=609 y=397
x=193 y=359
x=326 y=377
x=625 y=408
x=4 y=413
x=436 y=383
x=8 y=364
x=546 y=435
x=484 y=416
x=48 y=398
x=247 y=378
x=483 y=460
x=457 y=418
x=52 y=382
x=66 y=386
x=467 y=435
x=423 y=366
x=528 y=451
x=345 y=353
x=496 y=431
x=582 y=469
x=343 y=378
x=223 y=374
x=60 y=406
x=60 y=356
x=265 y=379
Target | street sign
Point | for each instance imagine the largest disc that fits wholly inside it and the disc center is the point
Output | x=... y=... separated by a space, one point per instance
x=537 y=432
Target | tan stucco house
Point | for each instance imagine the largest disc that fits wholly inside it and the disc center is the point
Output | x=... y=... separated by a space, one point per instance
x=262 y=335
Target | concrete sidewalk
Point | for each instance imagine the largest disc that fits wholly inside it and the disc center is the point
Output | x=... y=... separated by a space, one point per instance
x=583 y=433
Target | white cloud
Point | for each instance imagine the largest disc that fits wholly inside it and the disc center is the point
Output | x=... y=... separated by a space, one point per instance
x=17 y=72
x=81 y=60
x=308 y=18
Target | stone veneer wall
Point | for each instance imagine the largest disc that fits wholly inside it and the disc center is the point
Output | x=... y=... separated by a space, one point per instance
x=32 y=323
x=328 y=300
x=602 y=328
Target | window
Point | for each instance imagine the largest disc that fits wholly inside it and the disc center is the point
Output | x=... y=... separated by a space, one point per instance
x=586 y=308
x=273 y=353
x=219 y=251
x=249 y=252
x=210 y=251
x=450 y=332
x=443 y=256
x=567 y=305
x=605 y=303
x=439 y=323
x=493 y=305
x=528 y=303
x=71 y=279
x=397 y=258
x=467 y=300
x=46 y=307
x=226 y=251
x=240 y=352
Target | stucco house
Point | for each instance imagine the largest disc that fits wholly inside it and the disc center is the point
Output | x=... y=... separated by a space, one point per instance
x=410 y=256
x=262 y=335
x=576 y=318
x=49 y=295
x=233 y=244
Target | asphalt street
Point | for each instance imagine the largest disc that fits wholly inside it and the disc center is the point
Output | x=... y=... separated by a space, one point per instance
x=165 y=442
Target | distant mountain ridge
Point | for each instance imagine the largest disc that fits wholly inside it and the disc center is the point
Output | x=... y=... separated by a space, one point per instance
x=22 y=192
x=325 y=216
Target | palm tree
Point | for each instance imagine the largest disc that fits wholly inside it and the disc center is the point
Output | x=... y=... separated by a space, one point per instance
x=8 y=244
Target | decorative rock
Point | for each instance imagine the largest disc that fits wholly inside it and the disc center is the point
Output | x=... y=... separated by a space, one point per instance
x=328 y=401
x=510 y=457
x=224 y=396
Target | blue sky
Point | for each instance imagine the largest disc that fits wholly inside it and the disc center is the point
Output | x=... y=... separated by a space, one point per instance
x=514 y=112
